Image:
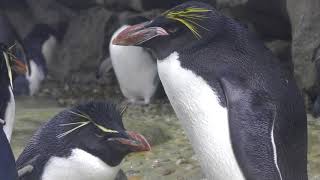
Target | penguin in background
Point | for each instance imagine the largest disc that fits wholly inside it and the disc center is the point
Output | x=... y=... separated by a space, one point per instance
x=85 y=142
x=135 y=68
x=39 y=45
x=242 y=112
x=9 y=67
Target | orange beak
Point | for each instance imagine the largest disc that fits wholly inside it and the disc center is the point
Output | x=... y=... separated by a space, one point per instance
x=19 y=67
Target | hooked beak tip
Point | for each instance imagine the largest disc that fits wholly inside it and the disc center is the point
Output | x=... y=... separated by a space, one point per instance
x=137 y=34
x=135 y=142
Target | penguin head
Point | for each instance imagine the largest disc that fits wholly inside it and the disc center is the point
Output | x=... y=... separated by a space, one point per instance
x=10 y=67
x=179 y=28
x=97 y=128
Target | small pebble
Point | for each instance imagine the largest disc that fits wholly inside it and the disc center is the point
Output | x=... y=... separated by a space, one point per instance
x=167 y=172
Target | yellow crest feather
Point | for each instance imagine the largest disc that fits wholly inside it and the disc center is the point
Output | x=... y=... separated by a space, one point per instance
x=188 y=17
x=83 y=123
x=6 y=57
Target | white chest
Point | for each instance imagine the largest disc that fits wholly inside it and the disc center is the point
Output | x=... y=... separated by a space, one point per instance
x=9 y=116
x=203 y=118
x=79 y=166
x=48 y=48
x=35 y=78
x=135 y=69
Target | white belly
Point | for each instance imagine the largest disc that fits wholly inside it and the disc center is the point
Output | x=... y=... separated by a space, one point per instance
x=79 y=166
x=35 y=78
x=9 y=116
x=48 y=49
x=203 y=118
x=135 y=70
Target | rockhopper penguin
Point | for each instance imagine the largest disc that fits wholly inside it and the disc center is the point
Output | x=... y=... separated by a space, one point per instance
x=241 y=111
x=39 y=45
x=86 y=142
x=135 y=68
x=8 y=69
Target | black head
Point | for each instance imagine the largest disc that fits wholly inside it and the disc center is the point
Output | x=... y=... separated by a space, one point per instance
x=97 y=128
x=41 y=32
x=10 y=67
x=179 y=28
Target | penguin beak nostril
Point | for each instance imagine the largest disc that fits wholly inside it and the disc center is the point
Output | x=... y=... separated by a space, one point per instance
x=138 y=34
x=135 y=142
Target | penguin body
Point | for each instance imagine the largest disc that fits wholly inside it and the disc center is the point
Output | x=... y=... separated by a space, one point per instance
x=242 y=112
x=85 y=142
x=39 y=44
x=8 y=70
x=7 y=165
x=136 y=71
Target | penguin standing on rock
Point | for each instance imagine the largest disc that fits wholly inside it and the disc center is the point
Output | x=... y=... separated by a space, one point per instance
x=8 y=69
x=86 y=142
x=39 y=45
x=242 y=112
x=135 y=69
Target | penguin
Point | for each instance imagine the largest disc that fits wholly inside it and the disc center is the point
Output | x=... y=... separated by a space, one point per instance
x=242 y=112
x=39 y=45
x=8 y=69
x=85 y=142
x=135 y=69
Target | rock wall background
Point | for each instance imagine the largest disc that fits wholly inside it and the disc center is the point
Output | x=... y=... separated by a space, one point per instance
x=291 y=28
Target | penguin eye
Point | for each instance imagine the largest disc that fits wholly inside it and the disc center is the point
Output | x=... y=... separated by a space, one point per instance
x=172 y=30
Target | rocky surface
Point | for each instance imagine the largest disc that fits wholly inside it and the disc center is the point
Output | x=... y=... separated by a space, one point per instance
x=304 y=17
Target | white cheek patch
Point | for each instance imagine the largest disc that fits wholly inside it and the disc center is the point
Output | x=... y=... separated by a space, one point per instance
x=203 y=118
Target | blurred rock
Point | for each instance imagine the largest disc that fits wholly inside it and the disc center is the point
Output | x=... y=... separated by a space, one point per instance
x=229 y=3
x=49 y=11
x=305 y=21
x=82 y=47
x=121 y=175
x=270 y=18
x=282 y=49
x=143 y=5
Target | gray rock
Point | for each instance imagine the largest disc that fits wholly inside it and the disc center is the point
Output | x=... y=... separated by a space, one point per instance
x=49 y=11
x=121 y=175
x=305 y=21
x=82 y=47
x=282 y=49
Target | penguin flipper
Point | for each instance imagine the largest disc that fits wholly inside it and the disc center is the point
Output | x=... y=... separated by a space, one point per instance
x=25 y=170
x=28 y=169
x=250 y=116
